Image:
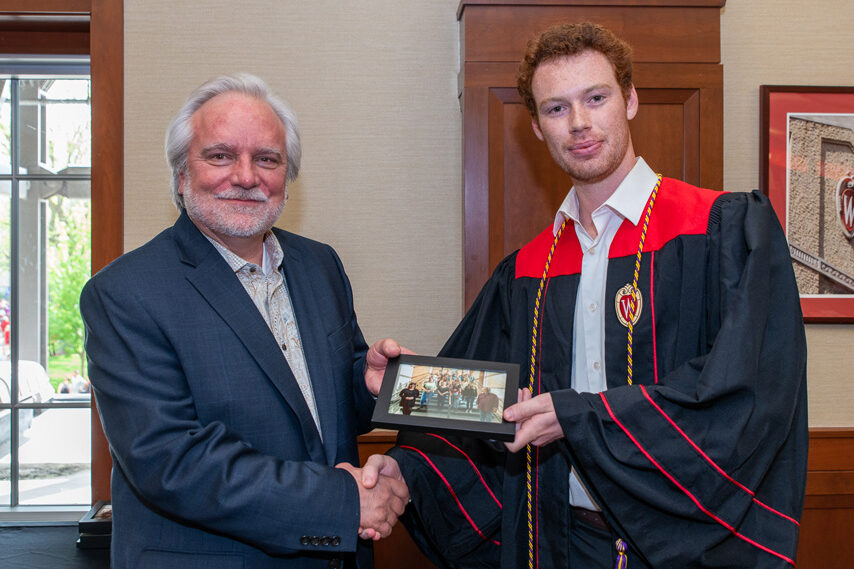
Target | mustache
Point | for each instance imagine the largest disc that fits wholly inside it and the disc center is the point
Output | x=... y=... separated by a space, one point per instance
x=253 y=194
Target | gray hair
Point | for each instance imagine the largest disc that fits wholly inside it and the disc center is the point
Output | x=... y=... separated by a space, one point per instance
x=180 y=131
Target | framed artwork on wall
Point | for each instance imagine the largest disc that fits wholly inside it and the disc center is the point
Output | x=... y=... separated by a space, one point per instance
x=807 y=170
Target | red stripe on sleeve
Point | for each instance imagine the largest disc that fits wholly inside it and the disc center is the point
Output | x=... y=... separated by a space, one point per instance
x=712 y=462
x=453 y=494
x=474 y=467
x=684 y=490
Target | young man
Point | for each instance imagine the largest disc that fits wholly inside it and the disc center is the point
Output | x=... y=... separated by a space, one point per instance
x=664 y=414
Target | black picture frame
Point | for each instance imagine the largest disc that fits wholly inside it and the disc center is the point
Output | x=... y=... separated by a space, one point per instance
x=457 y=416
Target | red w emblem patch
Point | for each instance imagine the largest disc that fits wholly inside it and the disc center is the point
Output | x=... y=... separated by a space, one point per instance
x=845 y=204
x=628 y=308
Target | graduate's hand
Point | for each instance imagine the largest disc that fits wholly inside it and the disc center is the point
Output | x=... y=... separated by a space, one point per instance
x=376 y=360
x=379 y=506
x=536 y=420
x=380 y=465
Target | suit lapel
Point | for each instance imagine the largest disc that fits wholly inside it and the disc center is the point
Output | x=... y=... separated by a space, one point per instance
x=309 y=317
x=214 y=280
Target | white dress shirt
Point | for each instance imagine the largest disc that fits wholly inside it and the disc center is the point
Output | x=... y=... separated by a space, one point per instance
x=588 y=347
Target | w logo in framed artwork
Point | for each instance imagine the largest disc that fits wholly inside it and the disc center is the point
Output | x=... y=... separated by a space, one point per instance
x=845 y=204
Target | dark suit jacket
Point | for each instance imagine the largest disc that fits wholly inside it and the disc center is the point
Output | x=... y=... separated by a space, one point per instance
x=217 y=462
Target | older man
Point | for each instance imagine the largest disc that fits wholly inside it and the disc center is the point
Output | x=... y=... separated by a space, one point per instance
x=661 y=331
x=228 y=367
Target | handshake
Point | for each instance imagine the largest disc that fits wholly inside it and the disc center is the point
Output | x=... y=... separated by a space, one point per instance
x=383 y=495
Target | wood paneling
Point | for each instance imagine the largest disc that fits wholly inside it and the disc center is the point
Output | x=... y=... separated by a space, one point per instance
x=107 y=130
x=828 y=518
x=52 y=7
x=685 y=32
x=107 y=62
x=678 y=3
x=45 y=27
x=526 y=187
x=58 y=43
x=512 y=187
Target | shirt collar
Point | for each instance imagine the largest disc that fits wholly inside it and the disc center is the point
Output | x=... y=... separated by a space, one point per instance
x=273 y=254
x=628 y=200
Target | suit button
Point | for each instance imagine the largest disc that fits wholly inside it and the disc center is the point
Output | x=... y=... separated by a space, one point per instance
x=336 y=541
x=334 y=563
x=325 y=541
x=315 y=541
x=304 y=540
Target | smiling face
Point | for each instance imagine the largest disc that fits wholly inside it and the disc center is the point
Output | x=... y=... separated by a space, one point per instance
x=234 y=187
x=583 y=117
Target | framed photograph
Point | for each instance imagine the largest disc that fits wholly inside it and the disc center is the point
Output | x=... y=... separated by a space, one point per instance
x=445 y=395
x=807 y=170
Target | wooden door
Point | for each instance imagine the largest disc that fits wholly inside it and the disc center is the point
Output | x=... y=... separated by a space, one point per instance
x=513 y=187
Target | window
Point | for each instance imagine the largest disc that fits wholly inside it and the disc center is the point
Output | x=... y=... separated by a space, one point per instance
x=45 y=238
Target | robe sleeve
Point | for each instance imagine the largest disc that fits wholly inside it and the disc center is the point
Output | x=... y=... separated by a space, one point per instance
x=708 y=466
x=456 y=484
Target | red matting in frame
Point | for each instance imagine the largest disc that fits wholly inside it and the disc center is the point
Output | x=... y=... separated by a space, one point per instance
x=776 y=102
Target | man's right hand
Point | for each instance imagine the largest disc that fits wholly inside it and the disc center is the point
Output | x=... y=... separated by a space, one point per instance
x=380 y=503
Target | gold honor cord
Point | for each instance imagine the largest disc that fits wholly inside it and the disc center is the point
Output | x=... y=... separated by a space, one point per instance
x=622 y=559
x=528 y=447
x=634 y=302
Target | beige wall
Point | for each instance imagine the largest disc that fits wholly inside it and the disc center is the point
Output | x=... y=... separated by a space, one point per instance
x=374 y=85
x=788 y=42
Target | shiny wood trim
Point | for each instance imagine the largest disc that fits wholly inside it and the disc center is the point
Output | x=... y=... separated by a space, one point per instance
x=828 y=516
x=501 y=33
x=107 y=61
x=53 y=7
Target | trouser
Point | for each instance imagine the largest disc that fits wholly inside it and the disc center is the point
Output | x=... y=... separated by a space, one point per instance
x=593 y=547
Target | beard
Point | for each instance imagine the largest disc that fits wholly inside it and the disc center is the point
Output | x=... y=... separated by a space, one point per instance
x=596 y=169
x=223 y=217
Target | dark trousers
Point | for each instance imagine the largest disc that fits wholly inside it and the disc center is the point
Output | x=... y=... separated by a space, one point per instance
x=595 y=548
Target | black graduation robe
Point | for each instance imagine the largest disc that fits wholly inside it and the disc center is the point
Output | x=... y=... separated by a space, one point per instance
x=701 y=462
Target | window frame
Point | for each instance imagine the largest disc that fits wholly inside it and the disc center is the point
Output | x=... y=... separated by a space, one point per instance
x=94 y=28
x=16 y=68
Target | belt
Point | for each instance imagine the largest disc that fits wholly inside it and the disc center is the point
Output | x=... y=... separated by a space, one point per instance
x=589 y=517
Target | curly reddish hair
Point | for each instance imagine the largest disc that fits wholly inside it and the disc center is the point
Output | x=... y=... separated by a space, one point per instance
x=572 y=39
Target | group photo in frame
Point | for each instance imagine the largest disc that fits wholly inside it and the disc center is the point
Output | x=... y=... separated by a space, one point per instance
x=452 y=396
x=807 y=171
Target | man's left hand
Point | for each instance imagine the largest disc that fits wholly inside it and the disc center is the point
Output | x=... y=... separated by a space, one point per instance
x=536 y=419
x=376 y=360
